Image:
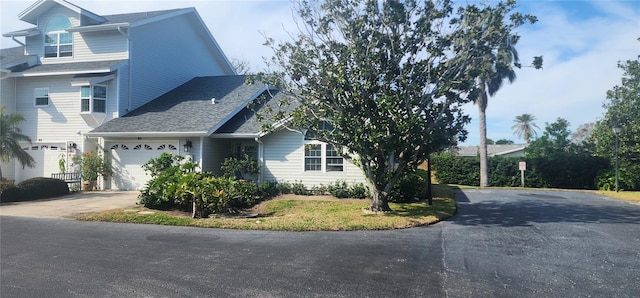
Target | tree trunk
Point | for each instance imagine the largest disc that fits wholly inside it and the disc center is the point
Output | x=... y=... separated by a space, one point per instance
x=379 y=201
x=484 y=172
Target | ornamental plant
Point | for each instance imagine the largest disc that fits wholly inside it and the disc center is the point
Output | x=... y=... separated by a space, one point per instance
x=93 y=165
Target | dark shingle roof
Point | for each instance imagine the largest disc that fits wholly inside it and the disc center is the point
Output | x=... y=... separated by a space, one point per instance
x=12 y=56
x=188 y=108
x=246 y=121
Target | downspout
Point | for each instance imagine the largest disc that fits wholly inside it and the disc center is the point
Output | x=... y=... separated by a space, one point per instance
x=13 y=37
x=260 y=158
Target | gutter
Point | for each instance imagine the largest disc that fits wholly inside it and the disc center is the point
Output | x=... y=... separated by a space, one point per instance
x=260 y=158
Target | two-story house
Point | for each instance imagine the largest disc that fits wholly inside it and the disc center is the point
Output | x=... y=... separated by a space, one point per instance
x=136 y=85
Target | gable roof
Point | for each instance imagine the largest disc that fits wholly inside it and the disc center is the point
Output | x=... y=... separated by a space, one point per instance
x=31 y=14
x=14 y=59
x=187 y=109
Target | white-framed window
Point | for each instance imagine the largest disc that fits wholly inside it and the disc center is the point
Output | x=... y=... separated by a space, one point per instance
x=57 y=41
x=320 y=156
x=334 y=162
x=93 y=99
x=41 y=97
x=313 y=157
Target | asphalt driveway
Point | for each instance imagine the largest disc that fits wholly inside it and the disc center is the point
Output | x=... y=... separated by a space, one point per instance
x=71 y=206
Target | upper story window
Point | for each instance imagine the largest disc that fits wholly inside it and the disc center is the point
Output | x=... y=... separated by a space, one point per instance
x=93 y=99
x=57 y=41
x=41 y=96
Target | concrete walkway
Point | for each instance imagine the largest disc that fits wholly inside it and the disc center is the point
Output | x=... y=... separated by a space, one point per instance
x=73 y=205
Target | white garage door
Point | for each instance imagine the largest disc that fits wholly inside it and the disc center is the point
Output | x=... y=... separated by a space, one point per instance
x=128 y=159
x=46 y=157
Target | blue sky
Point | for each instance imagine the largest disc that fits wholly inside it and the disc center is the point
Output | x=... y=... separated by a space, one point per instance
x=581 y=42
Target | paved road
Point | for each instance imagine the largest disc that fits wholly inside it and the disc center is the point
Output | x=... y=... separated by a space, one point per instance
x=520 y=243
x=500 y=244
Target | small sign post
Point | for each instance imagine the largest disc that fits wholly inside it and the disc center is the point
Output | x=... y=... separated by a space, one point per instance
x=523 y=167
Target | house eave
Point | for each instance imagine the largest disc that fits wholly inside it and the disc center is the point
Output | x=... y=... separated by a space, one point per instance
x=147 y=134
x=234 y=135
x=93 y=28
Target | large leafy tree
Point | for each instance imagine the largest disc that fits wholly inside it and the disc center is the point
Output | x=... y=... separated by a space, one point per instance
x=386 y=79
x=623 y=110
x=525 y=127
x=496 y=65
x=10 y=138
x=556 y=139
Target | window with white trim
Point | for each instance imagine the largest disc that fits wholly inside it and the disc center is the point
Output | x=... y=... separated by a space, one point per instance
x=334 y=163
x=93 y=99
x=57 y=41
x=320 y=156
x=313 y=157
x=41 y=96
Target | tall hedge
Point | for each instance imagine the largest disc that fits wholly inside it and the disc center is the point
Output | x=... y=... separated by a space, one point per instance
x=557 y=171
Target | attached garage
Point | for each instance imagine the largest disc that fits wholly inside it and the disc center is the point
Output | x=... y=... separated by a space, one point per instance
x=128 y=158
x=46 y=157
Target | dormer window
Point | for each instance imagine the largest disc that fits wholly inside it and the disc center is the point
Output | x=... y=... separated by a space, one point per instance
x=57 y=41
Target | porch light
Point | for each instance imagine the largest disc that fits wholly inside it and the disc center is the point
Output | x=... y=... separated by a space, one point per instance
x=187 y=146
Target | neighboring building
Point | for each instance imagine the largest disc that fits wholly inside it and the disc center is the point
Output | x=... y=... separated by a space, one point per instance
x=512 y=150
x=128 y=84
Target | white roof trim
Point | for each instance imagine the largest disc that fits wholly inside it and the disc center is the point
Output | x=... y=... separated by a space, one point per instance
x=92 y=28
x=234 y=136
x=31 y=14
x=74 y=72
x=148 y=134
x=24 y=32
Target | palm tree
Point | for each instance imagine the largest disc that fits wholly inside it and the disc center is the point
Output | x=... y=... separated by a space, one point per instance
x=523 y=127
x=10 y=136
x=498 y=65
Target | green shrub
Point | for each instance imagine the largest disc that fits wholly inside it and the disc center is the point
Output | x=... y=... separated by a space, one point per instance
x=359 y=191
x=283 y=187
x=34 y=189
x=412 y=186
x=339 y=189
x=299 y=189
x=563 y=170
x=268 y=190
x=11 y=193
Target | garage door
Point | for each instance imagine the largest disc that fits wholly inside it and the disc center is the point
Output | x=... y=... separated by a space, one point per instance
x=128 y=159
x=46 y=157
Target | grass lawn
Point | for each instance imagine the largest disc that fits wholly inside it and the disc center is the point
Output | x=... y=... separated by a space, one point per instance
x=303 y=213
x=630 y=196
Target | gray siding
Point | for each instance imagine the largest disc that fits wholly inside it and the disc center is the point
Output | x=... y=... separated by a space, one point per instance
x=61 y=120
x=166 y=54
x=284 y=162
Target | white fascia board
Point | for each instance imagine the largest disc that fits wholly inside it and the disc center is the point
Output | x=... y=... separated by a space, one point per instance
x=31 y=14
x=277 y=126
x=25 y=32
x=234 y=136
x=148 y=134
x=60 y=73
x=236 y=111
x=93 y=28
